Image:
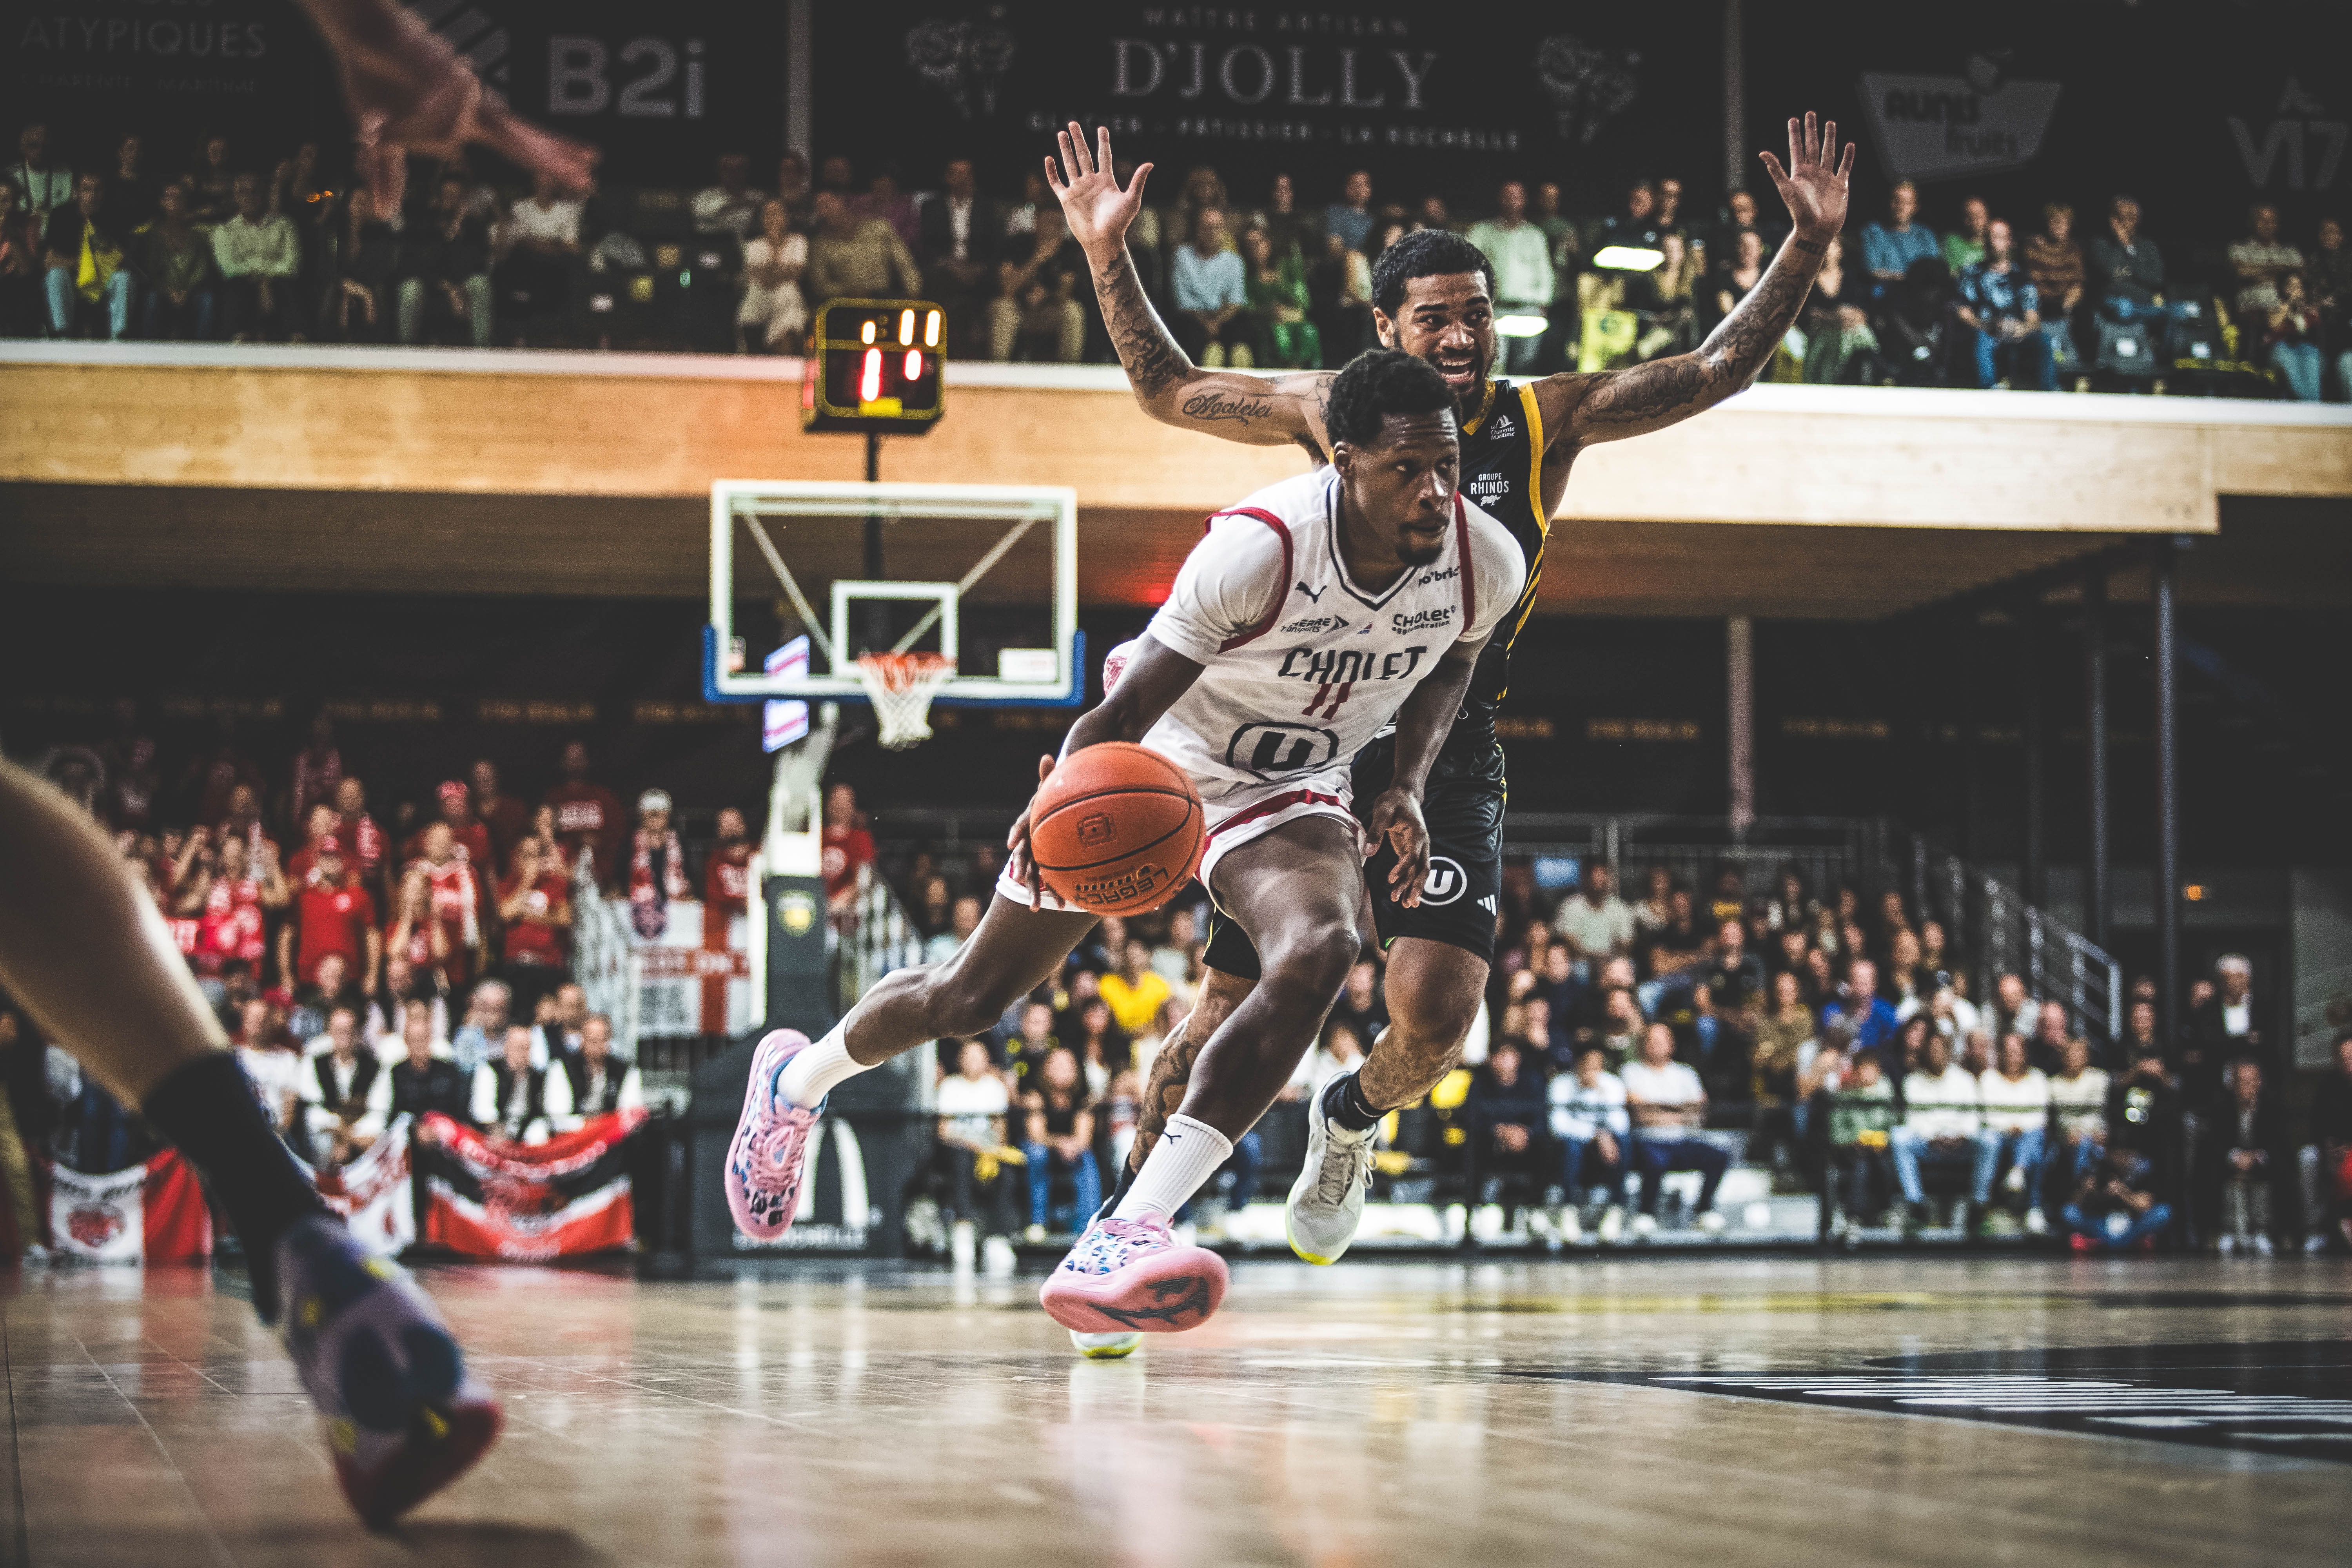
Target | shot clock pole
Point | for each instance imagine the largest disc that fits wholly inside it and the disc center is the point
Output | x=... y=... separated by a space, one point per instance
x=877 y=613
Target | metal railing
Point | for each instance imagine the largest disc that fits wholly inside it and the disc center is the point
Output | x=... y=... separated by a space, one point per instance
x=601 y=949
x=877 y=937
x=1984 y=917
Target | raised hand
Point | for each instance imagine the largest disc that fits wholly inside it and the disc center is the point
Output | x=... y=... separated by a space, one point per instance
x=1814 y=183
x=1097 y=208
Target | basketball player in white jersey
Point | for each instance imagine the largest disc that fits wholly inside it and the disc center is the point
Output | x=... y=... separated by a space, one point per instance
x=1309 y=618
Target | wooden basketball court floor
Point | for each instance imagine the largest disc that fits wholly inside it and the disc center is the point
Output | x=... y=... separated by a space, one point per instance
x=1650 y=1412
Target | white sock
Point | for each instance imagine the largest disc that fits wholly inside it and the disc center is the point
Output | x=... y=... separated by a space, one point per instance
x=809 y=1077
x=1179 y=1165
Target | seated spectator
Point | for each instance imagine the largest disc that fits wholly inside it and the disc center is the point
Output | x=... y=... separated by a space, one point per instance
x=1059 y=1138
x=1863 y=1120
x=2233 y=1022
x=423 y=1081
x=1941 y=1120
x=1341 y=1050
x=1786 y=1026
x=2261 y=263
x=1134 y=992
x=855 y=257
x=1967 y=245
x=42 y=185
x=1634 y=228
x=2325 y=1162
x=176 y=269
x=559 y=1027
x=587 y=815
x=2114 y=1206
x=24 y=300
x=2003 y=311
x=516 y=1099
x=1209 y=290
x=2054 y=261
x=1868 y=1015
x=346 y=1094
x=773 y=314
x=1676 y=947
x=482 y=1032
x=601 y=1083
x=87 y=281
x=272 y=1064
x=448 y=267
x=1840 y=346
x=1736 y=272
x=1591 y=1126
x=1276 y=287
x=1340 y=300
x=2078 y=1114
x=2016 y=1100
x=1037 y=311
x=1505 y=1120
x=214 y=184
x=2125 y=272
x=452 y=893
x=2249 y=1155
x=1520 y=254
x=2143 y=1113
x=539 y=246
x=259 y=257
x=1734 y=976
x=1666 y=299
x=363 y=841
x=1889 y=249
x=333 y=916
x=1171 y=956
x=959 y=236
x=329 y=987
x=362 y=255
x=535 y=912
x=972 y=1107
x=884 y=200
x=2293 y=331
x=730 y=206
x=1668 y=1105
x=1349 y=219
x=2330 y=282
x=1597 y=924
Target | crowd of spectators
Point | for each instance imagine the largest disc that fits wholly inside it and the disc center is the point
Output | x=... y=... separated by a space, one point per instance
x=1835 y=1042
x=391 y=961
x=1271 y=277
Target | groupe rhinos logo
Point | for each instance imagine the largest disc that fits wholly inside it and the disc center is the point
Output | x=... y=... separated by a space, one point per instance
x=1134 y=883
x=1933 y=127
x=95 y=1224
x=1422 y=620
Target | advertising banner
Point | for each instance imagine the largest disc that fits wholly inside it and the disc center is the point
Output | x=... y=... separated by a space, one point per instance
x=153 y=1213
x=529 y=1202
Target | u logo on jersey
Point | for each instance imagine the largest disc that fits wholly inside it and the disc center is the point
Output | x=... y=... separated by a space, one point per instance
x=1445 y=882
x=1280 y=750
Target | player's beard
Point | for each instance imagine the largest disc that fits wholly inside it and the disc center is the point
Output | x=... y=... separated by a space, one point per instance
x=1469 y=400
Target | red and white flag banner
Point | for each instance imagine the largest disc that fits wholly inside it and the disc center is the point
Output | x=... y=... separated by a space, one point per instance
x=529 y=1202
x=153 y=1213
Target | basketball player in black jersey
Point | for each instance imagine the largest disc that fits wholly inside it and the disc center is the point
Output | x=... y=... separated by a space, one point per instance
x=1433 y=296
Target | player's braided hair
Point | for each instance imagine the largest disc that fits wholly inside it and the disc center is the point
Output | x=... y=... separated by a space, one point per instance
x=1377 y=384
x=1425 y=253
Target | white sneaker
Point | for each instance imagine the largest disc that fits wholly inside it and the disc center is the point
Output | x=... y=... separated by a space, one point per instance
x=2036 y=1223
x=1570 y=1228
x=1644 y=1227
x=1712 y=1223
x=1327 y=1202
x=2015 y=1181
x=996 y=1255
x=2315 y=1242
x=1612 y=1225
x=1034 y=1235
x=2263 y=1248
x=963 y=1245
x=2227 y=1246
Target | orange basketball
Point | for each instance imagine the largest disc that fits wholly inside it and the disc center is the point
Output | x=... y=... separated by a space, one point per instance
x=1117 y=829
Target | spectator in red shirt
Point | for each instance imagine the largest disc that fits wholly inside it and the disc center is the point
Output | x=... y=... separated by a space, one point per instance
x=848 y=844
x=507 y=819
x=319 y=823
x=227 y=895
x=363 y=841
x=535 y=902
x=726 y=875
x=466 y=830
x=333 y=914
x=587 y=816
x=455 y=893
x=318 y=769
x=417 y=947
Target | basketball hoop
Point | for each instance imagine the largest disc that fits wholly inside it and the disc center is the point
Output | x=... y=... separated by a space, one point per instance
x=901 y=686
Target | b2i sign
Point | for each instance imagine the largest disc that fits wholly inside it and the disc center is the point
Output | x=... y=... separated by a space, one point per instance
x=1944 y=127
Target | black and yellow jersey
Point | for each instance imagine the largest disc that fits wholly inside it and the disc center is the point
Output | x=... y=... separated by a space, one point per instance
x=1502 y=471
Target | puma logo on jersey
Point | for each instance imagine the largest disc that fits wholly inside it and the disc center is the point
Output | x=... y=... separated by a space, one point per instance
x=1313 y=595
x=1317 y=624
x=1422 y=620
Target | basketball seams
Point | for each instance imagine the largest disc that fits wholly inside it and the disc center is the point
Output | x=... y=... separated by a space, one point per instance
x=1110 y=785
x=1182 y=823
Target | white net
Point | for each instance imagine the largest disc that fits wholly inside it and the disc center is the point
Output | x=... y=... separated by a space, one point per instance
x=901 y=686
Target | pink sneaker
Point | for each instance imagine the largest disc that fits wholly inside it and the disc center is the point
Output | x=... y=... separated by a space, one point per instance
x=763 y=1162
x=1131 y=1275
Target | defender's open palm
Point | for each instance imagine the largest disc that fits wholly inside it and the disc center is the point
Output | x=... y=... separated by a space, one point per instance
x=1098 y=210
x=1814 y=184
x=1396 y=817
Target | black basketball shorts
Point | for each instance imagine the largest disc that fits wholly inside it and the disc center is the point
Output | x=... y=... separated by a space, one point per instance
x=1463 y=805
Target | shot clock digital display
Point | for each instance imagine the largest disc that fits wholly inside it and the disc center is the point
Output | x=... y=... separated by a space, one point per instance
x=874 y=365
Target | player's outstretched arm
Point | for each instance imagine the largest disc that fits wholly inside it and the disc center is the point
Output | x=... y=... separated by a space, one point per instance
x=1262 y=411
x=1422 y=726
x=1616 y=403
x=1155 y=677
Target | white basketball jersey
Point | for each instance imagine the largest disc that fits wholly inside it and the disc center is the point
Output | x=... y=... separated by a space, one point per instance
x=1301 y=666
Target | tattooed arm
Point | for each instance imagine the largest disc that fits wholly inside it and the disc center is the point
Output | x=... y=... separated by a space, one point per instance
x=1263 y=411
x=1616 y=403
